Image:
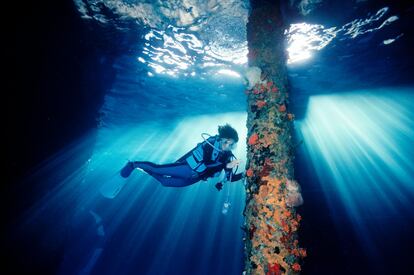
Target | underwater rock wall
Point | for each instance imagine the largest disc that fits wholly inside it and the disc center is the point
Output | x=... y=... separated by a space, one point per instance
x=271 y=221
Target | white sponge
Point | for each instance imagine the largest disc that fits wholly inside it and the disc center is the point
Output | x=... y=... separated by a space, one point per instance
x=252 y=76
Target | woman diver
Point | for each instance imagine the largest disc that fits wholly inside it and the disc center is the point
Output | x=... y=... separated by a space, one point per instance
x=206 y=160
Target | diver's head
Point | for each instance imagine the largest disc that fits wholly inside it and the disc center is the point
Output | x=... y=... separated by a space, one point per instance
x=228 y=137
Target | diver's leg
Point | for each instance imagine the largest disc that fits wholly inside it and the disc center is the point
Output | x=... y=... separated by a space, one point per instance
x=178 y=170
x=127 y=169
x=174 y=181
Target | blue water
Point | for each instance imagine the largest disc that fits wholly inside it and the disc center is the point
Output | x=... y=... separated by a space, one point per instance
x=174 y=75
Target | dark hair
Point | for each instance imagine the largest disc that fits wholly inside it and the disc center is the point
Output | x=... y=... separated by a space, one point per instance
x=226 y=131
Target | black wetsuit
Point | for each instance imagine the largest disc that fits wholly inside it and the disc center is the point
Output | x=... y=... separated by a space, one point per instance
x=207 y=163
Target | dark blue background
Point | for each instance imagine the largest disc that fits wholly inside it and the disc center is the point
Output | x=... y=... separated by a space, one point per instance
x=60 y=68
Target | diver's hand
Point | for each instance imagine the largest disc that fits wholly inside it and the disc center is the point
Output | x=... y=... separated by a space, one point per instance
x=233 y=163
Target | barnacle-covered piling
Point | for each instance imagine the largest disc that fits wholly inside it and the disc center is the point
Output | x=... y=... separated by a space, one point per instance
x=271 y=221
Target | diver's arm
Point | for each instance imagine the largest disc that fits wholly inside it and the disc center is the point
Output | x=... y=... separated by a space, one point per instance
x=238 y=176
x=234 y=177
x=230 y=164
x=218 y=166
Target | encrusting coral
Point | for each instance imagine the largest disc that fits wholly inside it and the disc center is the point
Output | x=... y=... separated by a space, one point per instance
x=271 y=221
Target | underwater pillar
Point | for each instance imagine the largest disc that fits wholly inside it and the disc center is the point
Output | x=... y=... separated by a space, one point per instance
x=271 y=221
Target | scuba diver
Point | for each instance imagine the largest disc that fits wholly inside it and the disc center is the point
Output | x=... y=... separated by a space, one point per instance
x=207 y=159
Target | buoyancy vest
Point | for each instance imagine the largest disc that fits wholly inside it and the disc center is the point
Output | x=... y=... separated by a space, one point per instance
x=206 y=160
x=199 y=155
